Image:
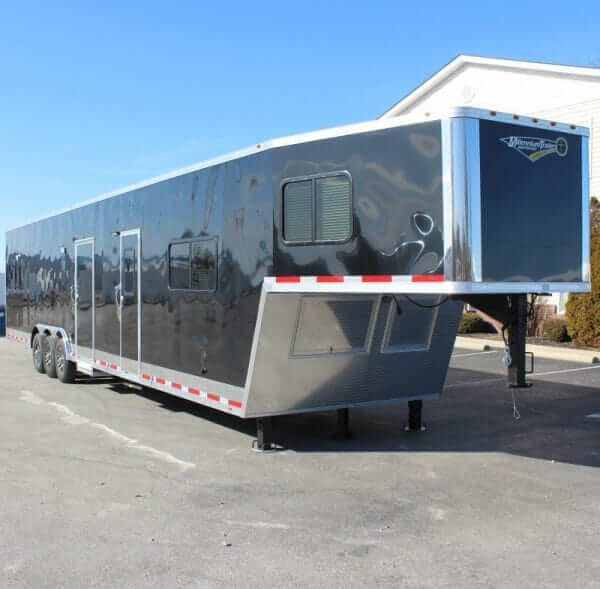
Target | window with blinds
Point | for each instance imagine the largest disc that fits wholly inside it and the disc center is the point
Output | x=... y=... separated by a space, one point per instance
x=317 y=210
x=203 y=265
x=298 y=211
x=193 y=265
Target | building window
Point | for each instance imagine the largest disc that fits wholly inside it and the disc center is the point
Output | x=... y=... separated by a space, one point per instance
x=317 y=209
x=193 y=265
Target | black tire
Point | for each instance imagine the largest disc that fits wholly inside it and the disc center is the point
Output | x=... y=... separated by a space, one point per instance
x=65 y=369
x=48 y=349
x=37 y=354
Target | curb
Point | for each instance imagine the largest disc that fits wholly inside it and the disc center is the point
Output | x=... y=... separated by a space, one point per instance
x=588 y=356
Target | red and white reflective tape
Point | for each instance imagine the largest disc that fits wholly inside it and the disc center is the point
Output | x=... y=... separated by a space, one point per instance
x=328 y=279
x=368 y=283
x=173 y=386
x=17 y=338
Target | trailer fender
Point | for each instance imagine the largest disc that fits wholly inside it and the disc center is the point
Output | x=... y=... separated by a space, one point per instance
x=59 y=332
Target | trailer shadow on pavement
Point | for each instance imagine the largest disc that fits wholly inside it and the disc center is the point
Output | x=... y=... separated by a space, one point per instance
x=475 y=414
x=177 y=405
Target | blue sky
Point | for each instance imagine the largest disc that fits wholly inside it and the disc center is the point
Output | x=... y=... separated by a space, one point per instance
x=95 y=96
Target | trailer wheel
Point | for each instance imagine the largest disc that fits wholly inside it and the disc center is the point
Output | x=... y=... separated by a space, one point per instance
x=65 y=369
x=48 y=354
x=36 y=352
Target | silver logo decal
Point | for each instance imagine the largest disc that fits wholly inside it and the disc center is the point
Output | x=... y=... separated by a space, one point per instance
x=535 y=148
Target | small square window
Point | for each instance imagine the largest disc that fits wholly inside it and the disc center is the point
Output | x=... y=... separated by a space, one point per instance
x=193 y=265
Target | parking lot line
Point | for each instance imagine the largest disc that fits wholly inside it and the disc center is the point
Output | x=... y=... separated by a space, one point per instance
x=72 y=418
x=596 y=366
x=476 y=353
x=470 y=383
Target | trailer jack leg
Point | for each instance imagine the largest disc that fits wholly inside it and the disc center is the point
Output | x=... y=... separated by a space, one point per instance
x=264 y=434
x=414 y=424
x=511 y=312
x=517 y=332
x=343 y=425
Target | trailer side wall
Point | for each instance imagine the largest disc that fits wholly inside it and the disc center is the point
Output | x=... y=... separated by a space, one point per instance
x=231 y=202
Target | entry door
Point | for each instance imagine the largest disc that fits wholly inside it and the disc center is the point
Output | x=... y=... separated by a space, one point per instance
x=85 y=305
x=130 y=295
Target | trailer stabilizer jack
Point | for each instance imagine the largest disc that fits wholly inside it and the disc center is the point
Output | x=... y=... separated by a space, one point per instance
x=517 y=333
x=264 y=434
x=415 y=409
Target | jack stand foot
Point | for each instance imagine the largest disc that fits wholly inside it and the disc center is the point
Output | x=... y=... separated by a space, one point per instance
x=517 y=334
x=264 y=437
x=414 y=417
x=343 y=425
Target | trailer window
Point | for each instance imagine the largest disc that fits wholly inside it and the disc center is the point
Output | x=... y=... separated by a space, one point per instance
x=193 y=265
x=298 y=211
x=179 y=265
x=129 y=272
x=204 y=265
x=409 y=326
x=334 y=325
x=317 y=209
x=10 y=276
x=334 y=212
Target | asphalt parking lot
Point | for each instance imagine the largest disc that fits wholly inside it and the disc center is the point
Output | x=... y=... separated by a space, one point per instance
x=108 y=486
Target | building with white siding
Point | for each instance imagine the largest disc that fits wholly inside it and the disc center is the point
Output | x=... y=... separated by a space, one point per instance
x=557 y=92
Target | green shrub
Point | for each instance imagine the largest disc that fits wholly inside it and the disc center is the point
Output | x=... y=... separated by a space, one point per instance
x=472 y=323
x=583 y=309
x=555 y=330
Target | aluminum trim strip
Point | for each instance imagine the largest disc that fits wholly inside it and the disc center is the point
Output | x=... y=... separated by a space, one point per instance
x=585 y=210
x=447 y=197
x=309 y=285
x=459 y=231
x=473 y=170
x=255 y=340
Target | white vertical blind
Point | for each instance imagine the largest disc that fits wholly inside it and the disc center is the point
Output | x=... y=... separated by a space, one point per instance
x=298 y=211
x=333 y=207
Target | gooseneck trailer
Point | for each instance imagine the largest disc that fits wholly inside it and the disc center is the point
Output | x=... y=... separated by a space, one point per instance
x=321 y=271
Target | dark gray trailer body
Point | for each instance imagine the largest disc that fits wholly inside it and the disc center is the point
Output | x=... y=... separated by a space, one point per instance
x=310 y=272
